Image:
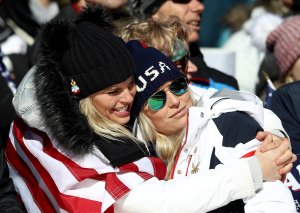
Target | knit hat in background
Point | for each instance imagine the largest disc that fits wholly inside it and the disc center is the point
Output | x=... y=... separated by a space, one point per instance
x=142 y=9
x=153 y=70
x=92 y=58
x=284 y=42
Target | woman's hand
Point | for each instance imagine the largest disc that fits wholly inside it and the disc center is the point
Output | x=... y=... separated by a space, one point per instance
x=278 y=160
x=267 y=139
x=272 y=142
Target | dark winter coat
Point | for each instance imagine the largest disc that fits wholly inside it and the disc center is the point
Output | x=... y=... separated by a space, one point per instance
x=285 y=103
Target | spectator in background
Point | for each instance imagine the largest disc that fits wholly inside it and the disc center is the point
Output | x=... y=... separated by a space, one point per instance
x=281 y=55
x=285 y=103
x=293 y=7
x=233 y=21
x=268 y=65
x=190 y=13
x=20 y=23
x=213 y=30
x=248 y=43
x=7 y=90
x=284 y=44
x=73 y=9
x=8 y=195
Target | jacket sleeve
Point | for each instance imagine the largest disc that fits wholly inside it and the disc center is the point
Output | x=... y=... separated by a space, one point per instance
x=196 y=193
x=273 y=124
x=275 y=197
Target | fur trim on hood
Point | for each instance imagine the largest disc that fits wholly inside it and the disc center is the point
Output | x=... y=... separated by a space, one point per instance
x=60 y=109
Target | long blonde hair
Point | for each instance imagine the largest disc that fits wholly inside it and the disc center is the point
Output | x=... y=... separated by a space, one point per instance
x=101 y=125
x=166 y=147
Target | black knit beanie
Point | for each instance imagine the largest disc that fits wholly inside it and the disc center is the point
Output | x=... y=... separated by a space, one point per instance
x=143 y=9
x=153 y=70
x=92 y=58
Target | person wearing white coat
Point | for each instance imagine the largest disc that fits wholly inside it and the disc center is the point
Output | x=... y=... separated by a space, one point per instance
x=220 y=130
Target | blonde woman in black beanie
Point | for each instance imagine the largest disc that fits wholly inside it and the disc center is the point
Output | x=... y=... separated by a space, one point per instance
x=69 y=150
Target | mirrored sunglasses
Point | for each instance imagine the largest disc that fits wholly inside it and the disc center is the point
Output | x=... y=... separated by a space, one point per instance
x=158 y=100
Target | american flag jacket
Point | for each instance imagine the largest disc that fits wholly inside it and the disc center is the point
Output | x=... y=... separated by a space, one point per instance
x=58 y=164
x=50 y=181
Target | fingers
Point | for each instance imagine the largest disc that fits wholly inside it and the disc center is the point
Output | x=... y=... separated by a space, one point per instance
x=284 y=145
x=262 y=135
x=286 y=169
x=286 y=157
x=269 y=141
x=269 y=144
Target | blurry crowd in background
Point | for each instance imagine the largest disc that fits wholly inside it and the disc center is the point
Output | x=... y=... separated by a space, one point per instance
x=263 y=35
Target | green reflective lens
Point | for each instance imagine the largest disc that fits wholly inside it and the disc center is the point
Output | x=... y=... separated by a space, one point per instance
x=158 y=100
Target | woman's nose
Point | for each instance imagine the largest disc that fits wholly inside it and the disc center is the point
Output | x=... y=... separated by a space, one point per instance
x=172 y=100
x=127 y=96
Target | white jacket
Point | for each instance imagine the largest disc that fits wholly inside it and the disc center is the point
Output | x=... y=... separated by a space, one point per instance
x=222 y=129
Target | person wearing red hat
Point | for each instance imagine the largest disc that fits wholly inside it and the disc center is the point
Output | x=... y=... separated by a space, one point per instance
x=284 y=44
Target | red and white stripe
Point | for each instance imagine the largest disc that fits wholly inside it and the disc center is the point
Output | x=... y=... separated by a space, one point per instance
x=49 y=181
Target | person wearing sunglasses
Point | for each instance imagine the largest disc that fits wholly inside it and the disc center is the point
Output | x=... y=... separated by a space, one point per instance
x=70 y=150
x=194 y=139
x=189 y=12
